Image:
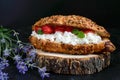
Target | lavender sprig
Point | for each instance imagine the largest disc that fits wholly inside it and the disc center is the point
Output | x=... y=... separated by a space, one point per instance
x=3 y=76
x=22 y=67
x=22 y=53
x=42 y=72
x=3 y=64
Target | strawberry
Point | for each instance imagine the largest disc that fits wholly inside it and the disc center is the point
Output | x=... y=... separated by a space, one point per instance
x=47 y=29
x=88 y=31
x=59 y=28
x=37 y=28
x=68 y=29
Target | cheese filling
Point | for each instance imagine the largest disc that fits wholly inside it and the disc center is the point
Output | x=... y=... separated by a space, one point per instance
x=69 y=38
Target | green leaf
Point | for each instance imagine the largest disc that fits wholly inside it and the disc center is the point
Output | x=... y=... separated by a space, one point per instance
x=81 y=34
x=40 y=32
x=2 y=29
x=78 y=33
x=75 y=31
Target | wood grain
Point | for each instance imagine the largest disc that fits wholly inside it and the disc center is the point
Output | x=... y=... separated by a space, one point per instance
x=72 y=64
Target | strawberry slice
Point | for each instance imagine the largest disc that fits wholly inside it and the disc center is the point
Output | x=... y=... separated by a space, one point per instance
x=60 y=28
x=68 y=29
x=88 y=31
x=37 y=28
x=47 y=29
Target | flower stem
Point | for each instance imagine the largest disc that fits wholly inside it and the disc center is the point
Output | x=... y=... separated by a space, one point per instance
x=8 y=38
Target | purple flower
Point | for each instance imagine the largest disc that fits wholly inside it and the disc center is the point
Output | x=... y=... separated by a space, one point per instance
x=22 y=67
x=17 y=58
x=3 y=76
x=42 y=72
x=32 y=53
x=28 y=59
x=26 y=48
x=43 y=75
x=16 y=50
x=6 y=52
x=3 y=64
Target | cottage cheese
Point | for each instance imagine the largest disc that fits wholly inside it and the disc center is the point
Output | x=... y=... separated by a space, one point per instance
x=69 y=38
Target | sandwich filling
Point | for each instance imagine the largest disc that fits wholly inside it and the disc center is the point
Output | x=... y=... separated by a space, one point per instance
x=68 y=37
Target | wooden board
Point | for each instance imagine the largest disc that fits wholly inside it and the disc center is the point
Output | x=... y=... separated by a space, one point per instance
x=72 y=64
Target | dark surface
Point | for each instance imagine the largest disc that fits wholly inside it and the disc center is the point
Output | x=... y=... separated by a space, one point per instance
x=22 y=14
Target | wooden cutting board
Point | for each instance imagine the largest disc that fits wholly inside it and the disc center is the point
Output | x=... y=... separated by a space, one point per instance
x=72 y=64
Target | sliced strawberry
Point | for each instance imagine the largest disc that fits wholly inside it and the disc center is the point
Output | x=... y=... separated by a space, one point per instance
x=59 y=28
x=88 y=31
x=47 y=29
x=68 y=29
x=37 y=28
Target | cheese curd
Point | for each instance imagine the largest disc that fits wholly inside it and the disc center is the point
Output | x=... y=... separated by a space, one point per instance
x=69 y=38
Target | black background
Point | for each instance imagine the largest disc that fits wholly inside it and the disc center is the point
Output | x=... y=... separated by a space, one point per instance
x=22 y=14
x=26 y=12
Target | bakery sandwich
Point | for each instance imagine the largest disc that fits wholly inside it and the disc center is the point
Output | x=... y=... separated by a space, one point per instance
x=71 y=44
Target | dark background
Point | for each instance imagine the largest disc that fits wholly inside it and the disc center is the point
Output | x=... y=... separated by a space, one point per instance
x=26 y=12
x=22 y=14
